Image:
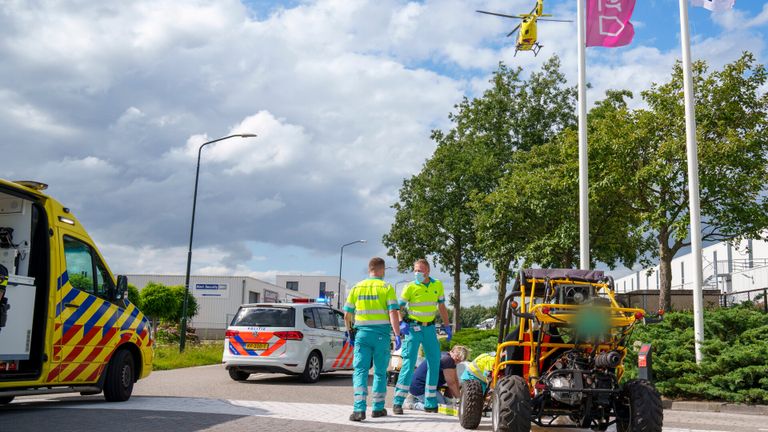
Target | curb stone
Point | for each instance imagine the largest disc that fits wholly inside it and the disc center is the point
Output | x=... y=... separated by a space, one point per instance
x=723 y=407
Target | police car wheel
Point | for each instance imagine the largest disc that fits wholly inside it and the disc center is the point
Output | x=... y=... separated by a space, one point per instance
x=118 y=385
x=238 y=375
x=312 y=369
x=5 y=400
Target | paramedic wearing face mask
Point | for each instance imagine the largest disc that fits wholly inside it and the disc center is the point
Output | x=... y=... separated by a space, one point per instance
x=423 y=297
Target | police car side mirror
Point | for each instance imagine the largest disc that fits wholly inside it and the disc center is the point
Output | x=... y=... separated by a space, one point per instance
x=121 y=291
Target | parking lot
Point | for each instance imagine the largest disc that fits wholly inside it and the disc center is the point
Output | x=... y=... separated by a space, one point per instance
x=205 y=399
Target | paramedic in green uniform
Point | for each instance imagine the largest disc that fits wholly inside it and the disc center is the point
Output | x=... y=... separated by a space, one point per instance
x=424 y=297
x=371 y=312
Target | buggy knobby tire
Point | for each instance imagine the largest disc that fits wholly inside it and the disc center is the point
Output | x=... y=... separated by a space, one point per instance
x=118 y=385
x=511 y=405
x=238 y=375
x=471 y=406
x=644 y=413
x=312 y=368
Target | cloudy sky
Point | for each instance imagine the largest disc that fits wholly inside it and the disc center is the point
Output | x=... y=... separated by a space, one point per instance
x=108 y=101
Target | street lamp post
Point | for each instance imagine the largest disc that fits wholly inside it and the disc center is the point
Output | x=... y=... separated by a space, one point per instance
x=341 y=261
x=183 y=333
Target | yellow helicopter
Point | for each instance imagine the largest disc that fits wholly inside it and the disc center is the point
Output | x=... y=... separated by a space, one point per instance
x=527 y=38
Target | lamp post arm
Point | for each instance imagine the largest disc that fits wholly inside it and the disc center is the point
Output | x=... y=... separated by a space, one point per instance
x=338 y=289
x=183 y=332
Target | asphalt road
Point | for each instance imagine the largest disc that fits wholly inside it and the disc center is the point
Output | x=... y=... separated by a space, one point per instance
x=206 y=399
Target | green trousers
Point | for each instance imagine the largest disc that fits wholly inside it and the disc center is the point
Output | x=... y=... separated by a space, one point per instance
x=426 y=337
x=371 y=343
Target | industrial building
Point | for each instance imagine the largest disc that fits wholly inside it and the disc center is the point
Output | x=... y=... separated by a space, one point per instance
x=732 y=273
x=219 y=297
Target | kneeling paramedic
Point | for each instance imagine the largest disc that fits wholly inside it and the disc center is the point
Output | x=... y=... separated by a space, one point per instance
x=481 y=369
x=372 y=307
x=423 y=298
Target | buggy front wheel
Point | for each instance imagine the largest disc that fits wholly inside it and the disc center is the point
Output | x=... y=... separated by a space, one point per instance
x=471 y=406
x=511 y=405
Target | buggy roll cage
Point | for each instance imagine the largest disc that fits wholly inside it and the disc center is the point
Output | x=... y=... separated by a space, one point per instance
x=542 y=283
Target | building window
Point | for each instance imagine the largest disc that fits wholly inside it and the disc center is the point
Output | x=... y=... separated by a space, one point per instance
x=292 y=285
x=270 y=296
x=322 y=289
x=253 y=297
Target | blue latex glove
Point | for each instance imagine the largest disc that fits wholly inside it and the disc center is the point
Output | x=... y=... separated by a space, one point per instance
x=449 y=332
x=405 y=329
x=350 y=338
x=398 y=342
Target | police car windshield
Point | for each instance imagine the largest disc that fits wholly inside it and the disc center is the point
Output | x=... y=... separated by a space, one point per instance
x=265 y=317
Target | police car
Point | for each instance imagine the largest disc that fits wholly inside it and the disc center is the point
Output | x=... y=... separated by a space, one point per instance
x=303 y=338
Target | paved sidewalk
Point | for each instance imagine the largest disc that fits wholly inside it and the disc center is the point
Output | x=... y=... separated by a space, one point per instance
x=244 y=415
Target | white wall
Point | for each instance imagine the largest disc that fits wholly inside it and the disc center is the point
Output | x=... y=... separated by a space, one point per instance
x=311 y=283
x=218 y=307
x=682 y=269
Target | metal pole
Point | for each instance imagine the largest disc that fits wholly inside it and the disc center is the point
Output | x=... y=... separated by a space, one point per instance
x=693 y=182
x=341 y=259
x=583 y=159
x=338 y=289
x=183 y=332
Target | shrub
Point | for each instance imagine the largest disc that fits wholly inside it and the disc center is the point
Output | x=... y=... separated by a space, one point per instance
x=735 y=364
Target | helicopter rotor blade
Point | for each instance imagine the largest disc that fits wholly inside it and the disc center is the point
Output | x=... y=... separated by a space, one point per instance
x=501 y=15
x=513 y=31
x=555 y=20
x=533 y=11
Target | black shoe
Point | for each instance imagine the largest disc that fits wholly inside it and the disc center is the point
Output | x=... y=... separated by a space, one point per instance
x=379 y=413
x=397 y=409
x=430 y=410
x=357 y=416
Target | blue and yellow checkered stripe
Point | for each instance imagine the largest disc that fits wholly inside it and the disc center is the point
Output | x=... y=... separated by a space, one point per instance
x=86 y=339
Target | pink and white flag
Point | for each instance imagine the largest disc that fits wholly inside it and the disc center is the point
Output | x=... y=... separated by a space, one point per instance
x=608 y=22
x=714 y=5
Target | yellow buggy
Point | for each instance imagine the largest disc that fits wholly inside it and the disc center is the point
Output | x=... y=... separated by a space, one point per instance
x=560 y=354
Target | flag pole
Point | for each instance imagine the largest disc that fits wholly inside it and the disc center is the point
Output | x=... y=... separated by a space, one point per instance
x=583 y=159
x=693 y=181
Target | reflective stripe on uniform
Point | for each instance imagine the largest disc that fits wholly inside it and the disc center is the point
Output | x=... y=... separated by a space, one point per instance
x=379 y=397
x=423 y=304
x=421 y=314
x=370 y=312
x=401 y=393
x=368 y=297
x=362 y=390
x=360 y=398
x=349 y=306
x=370 y=322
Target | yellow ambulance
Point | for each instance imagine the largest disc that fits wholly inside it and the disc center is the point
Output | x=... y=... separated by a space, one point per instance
x=66 y=324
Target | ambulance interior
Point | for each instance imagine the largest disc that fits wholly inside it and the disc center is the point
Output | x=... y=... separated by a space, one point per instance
x=24 y=252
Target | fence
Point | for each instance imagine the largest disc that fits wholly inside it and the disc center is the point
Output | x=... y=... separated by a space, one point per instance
x=759 y=297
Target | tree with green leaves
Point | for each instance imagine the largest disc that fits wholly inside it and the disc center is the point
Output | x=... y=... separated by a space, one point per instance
x=192 y=305
x=134 y=296
x=645 y=149
x=514 y=116
x=433 y=220
x=435 y=215
x=533 y=214
x=158 y=302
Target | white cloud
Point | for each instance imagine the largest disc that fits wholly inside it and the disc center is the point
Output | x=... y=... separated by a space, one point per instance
x=108 y=103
